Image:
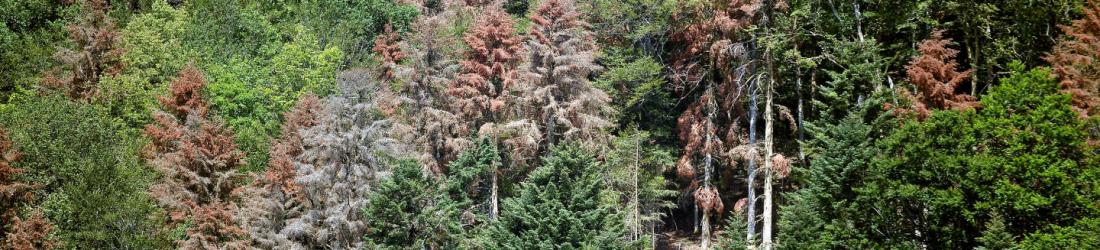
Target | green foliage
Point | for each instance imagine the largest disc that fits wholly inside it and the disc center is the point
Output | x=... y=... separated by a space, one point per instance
x=635 y=175
x=154 y=53
x=351 y=25
x=93 y=179
x=407 y=210
x=995 y=236
x=30 y=32
x=557 y=208
x=827 y=211
x=251 y=93
x=636 y=85
x=1081 y=235
x=469 y=175
x=1022 y=156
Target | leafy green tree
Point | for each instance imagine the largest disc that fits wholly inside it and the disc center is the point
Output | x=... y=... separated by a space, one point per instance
x=559 y=207
x=93 y=180
x=1022 y=156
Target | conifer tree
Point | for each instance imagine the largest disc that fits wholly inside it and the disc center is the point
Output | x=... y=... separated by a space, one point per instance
x=408 y=210
x=96 y=54
x=345 y=153
x=426 y=120
x=560 y=58
x=935 y=75
x=1073 y=61
x=197 y=160
x=558 y=207
x=274 y=197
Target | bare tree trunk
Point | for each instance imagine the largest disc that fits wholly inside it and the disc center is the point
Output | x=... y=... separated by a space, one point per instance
x=766 y=241
x=751 y=204
x=493 y=198
x=636 y=225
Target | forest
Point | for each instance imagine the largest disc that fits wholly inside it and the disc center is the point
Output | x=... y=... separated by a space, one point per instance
x=550 y=124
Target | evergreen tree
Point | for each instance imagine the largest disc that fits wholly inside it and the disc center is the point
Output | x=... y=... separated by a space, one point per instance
x=274 y=196
x=407 y=210
x=560 y=59
x=635 y=174
x=198 y=161
x=559 y=207
x=97 y=55
x=345 y=153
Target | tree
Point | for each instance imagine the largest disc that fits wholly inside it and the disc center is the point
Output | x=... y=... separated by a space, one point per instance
x=32 y=233
x=91 y=177
x=560 y=58
x=559 y=206
x=14 y=193
x=424 y=118
x=345 y=153
x=481 y=89
x=635 y=174
x=935 y=75
x=1073 y=62
x=97 y=54
x=1021 y=156
x=197 y=160
x=408 y=210
x=275 y=196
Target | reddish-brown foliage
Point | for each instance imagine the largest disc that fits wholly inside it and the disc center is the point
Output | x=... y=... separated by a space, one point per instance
x=709 y=201
x=935 y=74
x=97 y=53
x=214 y=228
x=32 y=233
x=781 y=166
x=280 y=172
x=704 y=25
x=12 y=193
x=196 y=157
x=386 y=45
x=487 y=67
x=186 y=94
x=1075 y=61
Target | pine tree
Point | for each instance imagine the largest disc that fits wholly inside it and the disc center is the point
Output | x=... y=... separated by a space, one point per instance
x=274 y=196
x=560 y=58
x=559 y=206
x=31 y=233
x=935 y=74
x=635 y=167
x=97 y=53
x=197 y=160
x=345 y=153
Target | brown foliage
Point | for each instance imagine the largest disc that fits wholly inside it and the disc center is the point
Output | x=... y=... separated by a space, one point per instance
x=186 y=94
x=705 y=25
x=561 y=58
x=32 y=233
x=386 y=45
x=12 y=193
x=280 y=172
x=97 y=53
x=427 y=122
x=214 y=228
x=709 y=201
x=935 y=74
x=487 y=67
x=196 y=157
x=1074 y=61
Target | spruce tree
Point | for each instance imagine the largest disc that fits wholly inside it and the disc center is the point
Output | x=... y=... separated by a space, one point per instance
x=559 y=207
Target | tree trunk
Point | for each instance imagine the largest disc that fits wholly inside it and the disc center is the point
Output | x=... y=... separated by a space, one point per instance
x=493 y=197
x=766 y=241
x=751 y=204
x=707 y=168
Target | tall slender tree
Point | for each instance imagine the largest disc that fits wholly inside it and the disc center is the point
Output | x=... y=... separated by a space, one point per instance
x=936 y=76
x=197 y=160
x=560 y=58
